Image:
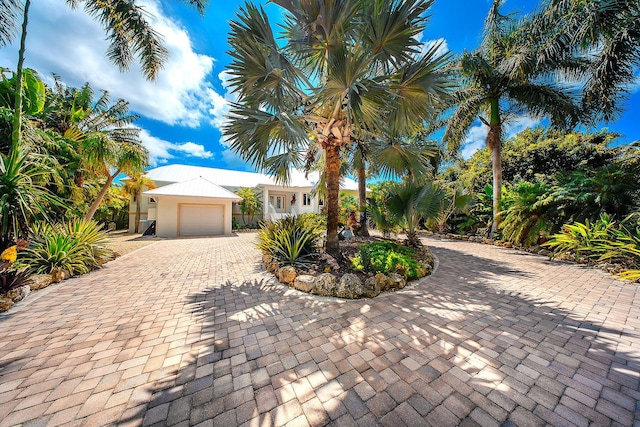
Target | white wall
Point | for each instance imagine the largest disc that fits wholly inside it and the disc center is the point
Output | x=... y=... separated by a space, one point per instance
x=168 y=207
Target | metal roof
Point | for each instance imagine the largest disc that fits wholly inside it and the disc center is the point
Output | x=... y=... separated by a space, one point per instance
x=196 y=187
x=231 y=178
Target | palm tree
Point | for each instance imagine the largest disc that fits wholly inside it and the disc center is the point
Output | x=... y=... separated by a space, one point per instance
x=606 y=34
x=133 y=186
x=128 y=30
x=412 y=202
x=340 y=65
x=107 y=144
x=503 y=74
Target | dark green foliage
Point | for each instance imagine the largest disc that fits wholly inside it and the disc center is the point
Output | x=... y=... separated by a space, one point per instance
x=12 y=279
x=291 y=240
x=524 y=215
x=535 y=152
x=387 y=257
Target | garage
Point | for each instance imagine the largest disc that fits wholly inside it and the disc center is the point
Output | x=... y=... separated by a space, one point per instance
x=199 y=220
x=195 y=207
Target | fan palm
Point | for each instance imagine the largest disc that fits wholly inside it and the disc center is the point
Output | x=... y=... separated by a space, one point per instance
x=413 y=202
x=341 y=65
x=504 y=74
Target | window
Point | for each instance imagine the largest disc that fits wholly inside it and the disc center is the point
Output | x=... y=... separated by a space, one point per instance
x=306 y=199
x=320 y=202
x=152 y=200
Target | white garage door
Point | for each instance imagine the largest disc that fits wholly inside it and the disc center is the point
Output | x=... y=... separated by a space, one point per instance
x=201 y=220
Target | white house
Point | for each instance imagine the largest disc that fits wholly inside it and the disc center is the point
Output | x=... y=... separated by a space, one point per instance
x=196 y=200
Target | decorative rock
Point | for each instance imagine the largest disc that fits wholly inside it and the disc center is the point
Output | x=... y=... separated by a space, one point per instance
x=508 y=245
x=350 y=286
x=19 y=294
x=266 y=259
x=397 y=281
x=384 y=283
x=287 y=274
x=305 y=283
x=273 y=267
x=5 y=303
x=371 y=288
x=40 y=281
x=326 y=285
x=544 y=252
x=57 y=276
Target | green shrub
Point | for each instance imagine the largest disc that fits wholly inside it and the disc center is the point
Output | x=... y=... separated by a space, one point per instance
x=291 y=240
x=76 y=247
x=602 y=240
x=387 y=257
x=525 y=209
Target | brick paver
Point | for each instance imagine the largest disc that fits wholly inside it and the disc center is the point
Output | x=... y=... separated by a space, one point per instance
x=194 y=332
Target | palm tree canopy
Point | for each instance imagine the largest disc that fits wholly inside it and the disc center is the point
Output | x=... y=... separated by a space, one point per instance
x=603 y=40
x=342 y=68
x=127 y=26
x=505 y=71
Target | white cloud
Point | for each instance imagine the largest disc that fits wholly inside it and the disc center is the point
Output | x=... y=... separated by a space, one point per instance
x=160 y=151
x=220 y=104
x=518 y=124
x=443 y=47
x=72 y=44
x=477 y=135
x=475 y=140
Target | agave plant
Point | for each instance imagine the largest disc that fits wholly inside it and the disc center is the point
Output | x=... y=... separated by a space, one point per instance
x=76 y=247
x=291 y=240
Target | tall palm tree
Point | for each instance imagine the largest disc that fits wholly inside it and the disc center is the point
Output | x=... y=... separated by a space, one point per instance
x=504 y=74
x=340 y=65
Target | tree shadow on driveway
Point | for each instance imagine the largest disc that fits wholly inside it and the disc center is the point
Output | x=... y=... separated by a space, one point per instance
x=478 y=341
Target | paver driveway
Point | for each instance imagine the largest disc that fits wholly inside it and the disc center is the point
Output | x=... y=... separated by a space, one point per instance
x=192 y=331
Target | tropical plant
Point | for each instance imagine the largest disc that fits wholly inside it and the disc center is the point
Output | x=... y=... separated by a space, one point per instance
x=581 y=239
x=250 y=203
x=13 y=279
x=525 y=217
x=456 y=201
x=133 y=186
x=602 y=240
x=291 y=240
x=23 y=195
x=341 y=66
x=388 y=257
x=502 y=75
x=383 y=220
x=76 y=247
x=414 y=202
x=109 y=146
x=586 y=194
x=603 y=32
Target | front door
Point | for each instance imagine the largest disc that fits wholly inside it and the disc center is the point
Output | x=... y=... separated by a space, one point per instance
x=278 y=203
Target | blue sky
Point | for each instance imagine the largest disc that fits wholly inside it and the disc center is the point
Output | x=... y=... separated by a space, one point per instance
x=182 y=111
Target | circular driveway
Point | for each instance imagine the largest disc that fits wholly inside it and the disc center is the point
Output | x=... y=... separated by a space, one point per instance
x=194 y=332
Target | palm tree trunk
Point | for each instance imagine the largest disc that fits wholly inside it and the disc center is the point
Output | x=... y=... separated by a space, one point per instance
x=138 y=207
x=332 y=166
x=17 y=112
x=362 y=199
x=494 y=142
x=103 y=192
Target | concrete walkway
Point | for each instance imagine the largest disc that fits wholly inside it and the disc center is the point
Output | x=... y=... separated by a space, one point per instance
x=193 y=332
